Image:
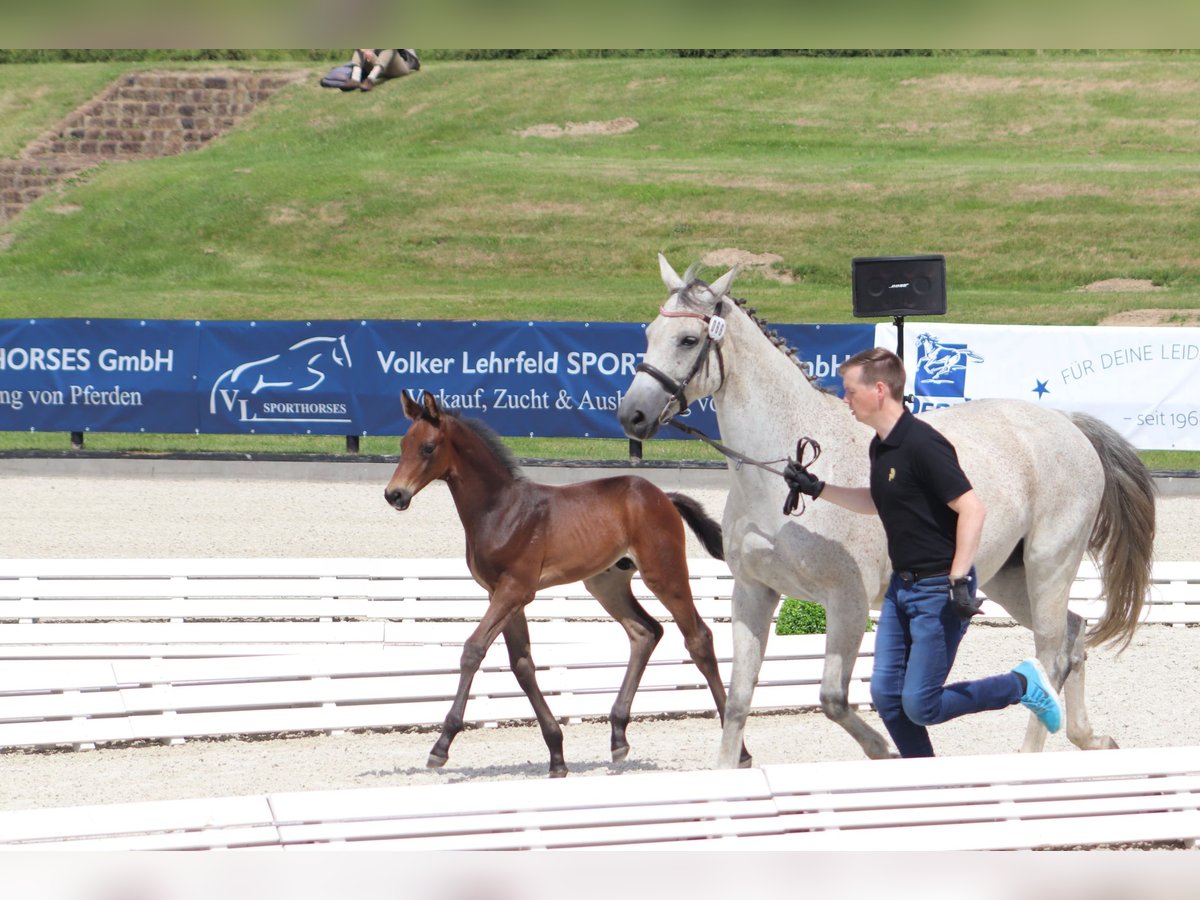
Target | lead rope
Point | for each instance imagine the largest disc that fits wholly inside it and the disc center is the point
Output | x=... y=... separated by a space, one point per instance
x=794 y=496
x=802 y=446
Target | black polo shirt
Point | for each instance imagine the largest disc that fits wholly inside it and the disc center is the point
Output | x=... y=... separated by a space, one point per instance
x=914 y=474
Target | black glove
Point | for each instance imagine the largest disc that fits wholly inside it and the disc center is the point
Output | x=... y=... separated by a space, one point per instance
x=961 y=601
x=800 y=481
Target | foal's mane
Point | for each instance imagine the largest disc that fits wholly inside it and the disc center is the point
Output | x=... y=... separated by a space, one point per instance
x=492 y=441
x=691 y=294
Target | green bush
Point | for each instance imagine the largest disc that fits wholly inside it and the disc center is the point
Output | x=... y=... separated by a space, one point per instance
x=804 y=617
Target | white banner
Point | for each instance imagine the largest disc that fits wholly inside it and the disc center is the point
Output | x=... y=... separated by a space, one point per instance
x=1144 y=382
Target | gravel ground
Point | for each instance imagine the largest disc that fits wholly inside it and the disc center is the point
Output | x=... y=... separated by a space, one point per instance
x=1143 y=697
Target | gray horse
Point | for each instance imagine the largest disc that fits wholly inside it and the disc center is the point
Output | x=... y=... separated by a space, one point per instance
x=1056 y=486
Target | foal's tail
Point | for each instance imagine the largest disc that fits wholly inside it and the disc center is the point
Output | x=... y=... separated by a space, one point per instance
x=706 y=528
x=1122 y=539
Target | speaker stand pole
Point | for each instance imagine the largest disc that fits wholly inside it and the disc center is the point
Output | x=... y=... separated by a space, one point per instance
x=898 y=321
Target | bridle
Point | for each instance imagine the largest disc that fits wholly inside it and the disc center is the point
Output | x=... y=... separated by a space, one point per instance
x=712 y=339
x=676 y=389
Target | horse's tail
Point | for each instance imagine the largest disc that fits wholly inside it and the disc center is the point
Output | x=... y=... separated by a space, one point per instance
x=707 y=528
x=1122 y=539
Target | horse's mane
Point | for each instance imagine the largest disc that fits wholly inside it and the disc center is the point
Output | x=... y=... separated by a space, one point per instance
x=492 y=441
x=690 y=296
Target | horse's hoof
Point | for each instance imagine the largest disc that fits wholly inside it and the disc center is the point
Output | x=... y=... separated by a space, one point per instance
x=620 y=754
x=435 y=762
x=558 y=773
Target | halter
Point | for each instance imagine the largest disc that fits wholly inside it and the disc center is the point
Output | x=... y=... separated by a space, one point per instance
x=676 y=389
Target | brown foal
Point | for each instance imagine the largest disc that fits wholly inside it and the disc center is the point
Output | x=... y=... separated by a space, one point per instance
x=523 y=536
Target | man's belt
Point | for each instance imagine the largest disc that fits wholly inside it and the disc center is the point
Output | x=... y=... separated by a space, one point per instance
x=909 y=577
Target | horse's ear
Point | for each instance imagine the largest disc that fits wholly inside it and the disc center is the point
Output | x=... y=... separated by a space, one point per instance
x=432 y=411
x=669 y=277
x=720 y=287
x=412 y=409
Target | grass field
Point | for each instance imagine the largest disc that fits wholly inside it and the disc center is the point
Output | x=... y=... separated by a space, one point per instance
x=440 y=195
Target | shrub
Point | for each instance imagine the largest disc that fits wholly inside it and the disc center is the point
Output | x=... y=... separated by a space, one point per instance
x=800 y=617
x=804 y=617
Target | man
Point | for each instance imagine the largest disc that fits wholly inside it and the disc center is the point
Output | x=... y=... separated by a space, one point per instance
x=933 y=521
x=380 y=64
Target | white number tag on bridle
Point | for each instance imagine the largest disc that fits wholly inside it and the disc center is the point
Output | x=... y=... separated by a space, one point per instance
x=716 y=328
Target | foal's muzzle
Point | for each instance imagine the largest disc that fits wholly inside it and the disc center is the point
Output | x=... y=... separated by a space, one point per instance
x=398 y=498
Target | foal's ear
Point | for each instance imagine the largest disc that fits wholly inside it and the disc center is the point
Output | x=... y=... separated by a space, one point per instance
x=432 y=410
x=721 y=286
x=669 y=277
x=412 y=409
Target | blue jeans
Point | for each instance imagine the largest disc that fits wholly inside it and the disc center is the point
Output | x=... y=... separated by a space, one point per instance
x=915 y=645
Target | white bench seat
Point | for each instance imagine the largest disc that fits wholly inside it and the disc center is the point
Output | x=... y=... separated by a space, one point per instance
x=200 y=824
x=373 y=687
x=1007 y=801
x=43 y=592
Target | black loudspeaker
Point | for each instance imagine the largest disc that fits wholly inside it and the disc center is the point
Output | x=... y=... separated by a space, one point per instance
x=899 y=286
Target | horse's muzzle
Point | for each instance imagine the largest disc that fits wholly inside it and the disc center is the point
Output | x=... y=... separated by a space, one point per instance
x=638 y=426
x=398 y=498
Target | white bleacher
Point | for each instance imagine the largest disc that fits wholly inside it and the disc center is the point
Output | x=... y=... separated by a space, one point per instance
x=115 y=608
x=85 y=702
x=44 y=598
x=1174 y=597
x=1010 y=801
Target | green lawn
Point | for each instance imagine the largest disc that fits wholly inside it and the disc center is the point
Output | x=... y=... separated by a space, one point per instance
x=1036 y=175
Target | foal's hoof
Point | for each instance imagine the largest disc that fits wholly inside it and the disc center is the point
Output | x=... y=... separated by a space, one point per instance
x=559 y=773
x=435 y=761
x=620 y=754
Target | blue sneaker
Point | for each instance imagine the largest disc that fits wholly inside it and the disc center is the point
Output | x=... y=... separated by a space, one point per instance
x=1040 y=698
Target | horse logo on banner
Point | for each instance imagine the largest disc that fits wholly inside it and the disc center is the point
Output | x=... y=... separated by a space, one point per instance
x=941 y=371
x=304 y=367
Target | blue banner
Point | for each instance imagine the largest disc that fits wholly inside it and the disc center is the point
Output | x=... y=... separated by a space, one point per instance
x=97 y=375
x=537 y=379
x=279 y=378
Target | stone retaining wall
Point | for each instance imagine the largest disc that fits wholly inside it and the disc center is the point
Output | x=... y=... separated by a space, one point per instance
x=142 y=115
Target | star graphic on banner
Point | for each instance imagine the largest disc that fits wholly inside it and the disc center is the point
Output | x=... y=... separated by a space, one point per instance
x=1041 y=390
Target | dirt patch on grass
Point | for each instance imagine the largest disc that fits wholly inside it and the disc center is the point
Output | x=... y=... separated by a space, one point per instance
x=332 y=213
x=1187 y=318
x=533 y=210
x=661 y=81
x=763 y=263
x=326 y=213
x=623 y=125
x=285 y=215
x=1053 y=191
x=997 y=84
x=1119 y=285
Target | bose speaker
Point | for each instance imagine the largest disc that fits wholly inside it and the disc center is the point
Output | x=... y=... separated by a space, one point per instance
x=899 y=286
